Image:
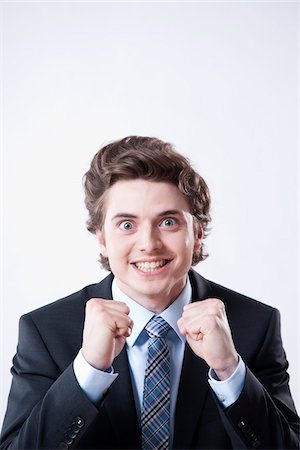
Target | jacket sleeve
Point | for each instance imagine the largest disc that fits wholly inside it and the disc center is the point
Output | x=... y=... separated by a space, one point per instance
x=264 y=415
x=47 y=409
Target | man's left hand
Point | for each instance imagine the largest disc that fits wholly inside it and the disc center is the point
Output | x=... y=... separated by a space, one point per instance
x=207 y=331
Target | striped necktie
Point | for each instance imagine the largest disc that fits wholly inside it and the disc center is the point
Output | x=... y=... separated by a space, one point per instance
x=155 y=420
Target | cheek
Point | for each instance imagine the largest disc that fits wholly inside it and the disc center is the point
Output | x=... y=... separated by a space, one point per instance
x=189 y=240
x=184 y=242
x=118 y=246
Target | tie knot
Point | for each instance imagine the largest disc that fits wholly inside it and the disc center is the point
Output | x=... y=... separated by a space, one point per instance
x=157 y=327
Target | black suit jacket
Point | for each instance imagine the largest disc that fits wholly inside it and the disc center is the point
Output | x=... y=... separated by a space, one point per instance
x=47 y=408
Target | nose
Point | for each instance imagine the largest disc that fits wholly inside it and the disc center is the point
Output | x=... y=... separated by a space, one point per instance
x=149 y=239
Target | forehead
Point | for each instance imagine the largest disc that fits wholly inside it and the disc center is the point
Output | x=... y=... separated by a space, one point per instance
x=144 y=197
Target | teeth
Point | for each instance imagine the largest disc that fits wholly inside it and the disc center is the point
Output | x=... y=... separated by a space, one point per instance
x=150 y=266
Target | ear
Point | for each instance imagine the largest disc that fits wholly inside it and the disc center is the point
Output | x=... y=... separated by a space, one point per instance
x=101 y=242
x=198 y=238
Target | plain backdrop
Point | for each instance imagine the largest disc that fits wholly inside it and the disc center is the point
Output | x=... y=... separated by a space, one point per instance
x=217 y=79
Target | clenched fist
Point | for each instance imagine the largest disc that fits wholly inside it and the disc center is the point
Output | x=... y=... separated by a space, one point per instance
x=106 y=327
x=207 y=331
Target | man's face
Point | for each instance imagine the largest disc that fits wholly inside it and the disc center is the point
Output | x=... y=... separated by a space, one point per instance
x=149 y=239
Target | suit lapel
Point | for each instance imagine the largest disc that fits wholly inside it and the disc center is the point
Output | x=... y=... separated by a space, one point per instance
x=193 y=386
x=193 y=389
x=120 y=406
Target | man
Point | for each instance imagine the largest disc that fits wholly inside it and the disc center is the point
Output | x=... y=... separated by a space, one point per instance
x=154 y=356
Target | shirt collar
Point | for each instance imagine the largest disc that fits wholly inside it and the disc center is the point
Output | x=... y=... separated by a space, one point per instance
x=141 y=315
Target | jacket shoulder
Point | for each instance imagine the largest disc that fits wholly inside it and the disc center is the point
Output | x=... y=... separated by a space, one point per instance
x=250 y=320
x=76 y=299
x=230 y=297
x=62 y=322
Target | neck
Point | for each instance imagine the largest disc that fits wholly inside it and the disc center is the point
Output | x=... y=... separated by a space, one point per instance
x=156 y=302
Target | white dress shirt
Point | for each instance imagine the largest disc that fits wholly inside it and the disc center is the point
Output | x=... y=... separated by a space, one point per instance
x=95 y=382
x=137 y=345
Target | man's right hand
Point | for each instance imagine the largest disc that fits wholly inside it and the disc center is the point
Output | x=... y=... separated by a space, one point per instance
x=106 y=327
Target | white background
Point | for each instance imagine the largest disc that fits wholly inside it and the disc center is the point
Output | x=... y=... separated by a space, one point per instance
x=219 y=80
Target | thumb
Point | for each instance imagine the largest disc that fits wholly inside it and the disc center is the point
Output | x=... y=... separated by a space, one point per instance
x=182 y=329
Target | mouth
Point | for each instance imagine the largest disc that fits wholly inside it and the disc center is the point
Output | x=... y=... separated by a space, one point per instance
x=151 y=266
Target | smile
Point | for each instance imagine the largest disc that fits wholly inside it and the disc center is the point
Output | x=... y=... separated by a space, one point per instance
x=147 y=266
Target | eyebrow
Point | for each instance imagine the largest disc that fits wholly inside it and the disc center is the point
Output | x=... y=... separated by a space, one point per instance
x=168 y=212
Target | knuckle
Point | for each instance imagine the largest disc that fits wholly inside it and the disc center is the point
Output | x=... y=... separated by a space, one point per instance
x=126 y=309
x=120 y=306
x=216 y=301
x=218 y=305
x=90 y=304
x=95 y=305
x=211 y=320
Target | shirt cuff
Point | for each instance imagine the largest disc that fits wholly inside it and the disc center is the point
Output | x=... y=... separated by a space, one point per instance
x=92 y=381
x=228 y=391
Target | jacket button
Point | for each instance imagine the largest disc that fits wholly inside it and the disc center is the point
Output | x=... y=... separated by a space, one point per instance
x=75 y=429
x=68 y=439
x=256 y=444
x=249 y=434
x=70 y=433
x=79 y=421
x=63 y=446
x=242 y=423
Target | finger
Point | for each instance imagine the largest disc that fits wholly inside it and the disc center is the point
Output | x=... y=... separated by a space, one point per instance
x=182 y=329
x=126 y=329
x=203 y=325
x=118 y=306
x=123 y=332
x=185 y=331
x=207 y=304
x=123 y=325
x=198 y=336
x=102 y=304
x=192 y=330
x=200 y=311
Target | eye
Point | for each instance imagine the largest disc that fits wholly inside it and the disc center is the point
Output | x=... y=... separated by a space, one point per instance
x=168 y=222
x=126 y=225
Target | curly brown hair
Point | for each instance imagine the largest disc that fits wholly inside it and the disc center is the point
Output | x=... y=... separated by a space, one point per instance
x=150 y=159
